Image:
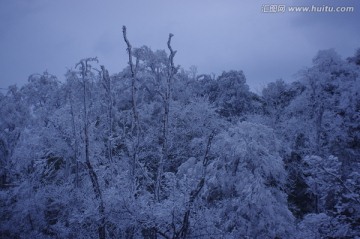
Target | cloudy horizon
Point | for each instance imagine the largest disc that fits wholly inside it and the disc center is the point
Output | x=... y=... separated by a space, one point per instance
x=214 y=36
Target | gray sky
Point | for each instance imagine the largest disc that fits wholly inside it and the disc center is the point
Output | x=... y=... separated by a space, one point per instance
x=214 y=35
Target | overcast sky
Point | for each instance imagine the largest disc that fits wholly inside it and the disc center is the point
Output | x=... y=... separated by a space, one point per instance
x=214 y=35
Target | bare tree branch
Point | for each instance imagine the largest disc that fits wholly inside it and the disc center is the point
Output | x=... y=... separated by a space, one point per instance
x=129 y=50
x=134 y=107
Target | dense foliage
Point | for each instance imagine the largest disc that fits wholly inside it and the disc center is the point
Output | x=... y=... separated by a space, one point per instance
x=156 y=151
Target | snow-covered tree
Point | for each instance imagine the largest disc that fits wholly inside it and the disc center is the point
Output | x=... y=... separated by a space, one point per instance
x=245 y=184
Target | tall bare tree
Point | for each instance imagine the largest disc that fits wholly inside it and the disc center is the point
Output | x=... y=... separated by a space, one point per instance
x=136 y=124
x=84 y=71
x=171 y=71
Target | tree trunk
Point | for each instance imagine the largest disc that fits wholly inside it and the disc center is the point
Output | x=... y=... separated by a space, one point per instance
x=92 y=173
x=107 y=86
x=165 y=126
x=75 y=142
x=136 y=126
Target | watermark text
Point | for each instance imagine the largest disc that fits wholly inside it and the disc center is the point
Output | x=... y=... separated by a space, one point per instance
x=281 y=8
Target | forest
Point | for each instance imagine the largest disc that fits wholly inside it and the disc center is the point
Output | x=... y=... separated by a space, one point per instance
x=157 y=151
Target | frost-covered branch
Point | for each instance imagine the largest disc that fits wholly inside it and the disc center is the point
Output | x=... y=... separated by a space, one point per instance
x=134 y=105
x=341 y=182
x=129 y=50
x=165 y=121
x=106 y=82
x=85 y=67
